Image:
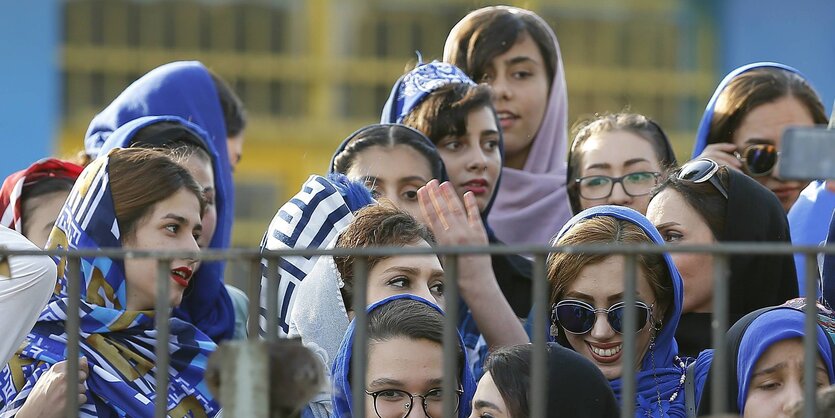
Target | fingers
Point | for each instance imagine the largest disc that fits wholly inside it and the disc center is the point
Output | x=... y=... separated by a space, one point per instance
x=431 y=190
x=453 y=204
x=722 y=154
x=84 y=366
x=471 y=205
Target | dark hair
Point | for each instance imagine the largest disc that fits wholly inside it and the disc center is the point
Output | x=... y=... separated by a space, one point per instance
x=704 y=198
x=376 y=226
x=411 y=319
x=444 y=112
x=387 y=136
x=639 y=125
x=491 y=31
x=178 y=140
x=510 y=369
x=754 y=88
x=43 y=187
x=234 y=114
x=139 y=179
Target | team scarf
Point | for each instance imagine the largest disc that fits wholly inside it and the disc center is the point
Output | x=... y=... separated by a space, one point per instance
x=309 y=220
x=119 y=344
x=11 y=207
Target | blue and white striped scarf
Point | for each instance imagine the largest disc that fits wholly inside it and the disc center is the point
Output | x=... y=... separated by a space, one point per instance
x=119 y=344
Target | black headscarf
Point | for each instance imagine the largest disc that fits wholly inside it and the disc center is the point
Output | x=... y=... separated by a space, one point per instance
x=578 y=388
x=753 y=214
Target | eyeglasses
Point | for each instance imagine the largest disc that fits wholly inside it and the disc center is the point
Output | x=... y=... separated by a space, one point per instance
x=758 y=159
x=394 y=403
x=700 y=171
x=634 y=184
x=578 y=317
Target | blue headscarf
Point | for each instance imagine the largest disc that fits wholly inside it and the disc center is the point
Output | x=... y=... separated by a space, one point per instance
x=808 y=219
x=828 y=268
x=342 y=367
x=413 y=87
x=206 y=303
x=119 y=344
x=184 y=89
x=660 y=373
x=707 y=116
x=768 y=328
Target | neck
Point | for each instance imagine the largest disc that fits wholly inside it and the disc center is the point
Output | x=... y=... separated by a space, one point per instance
x=518 y=159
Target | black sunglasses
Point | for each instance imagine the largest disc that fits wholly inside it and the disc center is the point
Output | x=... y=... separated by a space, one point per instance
x=758 y=159
x=578 y=317
x=700 y=171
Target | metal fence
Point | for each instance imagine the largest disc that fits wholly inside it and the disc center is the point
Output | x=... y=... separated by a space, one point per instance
x=252 y=258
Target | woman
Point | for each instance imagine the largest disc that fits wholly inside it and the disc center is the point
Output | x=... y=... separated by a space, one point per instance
x=625 y=148
x=132 y=199
x=504 y=390
x=405 y=361
x=30 y=199
x=584 y=285
x=209 y=306
x=766 y=356
x=743 y=124
x=392 y=160
x=517 y=54
x=703 y=203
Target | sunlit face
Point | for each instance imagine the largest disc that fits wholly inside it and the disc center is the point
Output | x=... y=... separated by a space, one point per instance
x=776 y=384
x=39 y=215
x=601 y=285
x=679 y=223
x=235 y=149
x=765 y=124
x=617 y=154
x=203 y=173
x=473 y=160
x=419 y=275
x=520 y=84
x=412 y=366
x=487 y=401
x=171 y=224
x=395 y=173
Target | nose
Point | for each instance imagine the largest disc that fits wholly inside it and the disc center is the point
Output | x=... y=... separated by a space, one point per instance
x=476 y=160
x=619 y=196
x=792 y=396
x=417 y=409
x=601 y=330
x=501 y=89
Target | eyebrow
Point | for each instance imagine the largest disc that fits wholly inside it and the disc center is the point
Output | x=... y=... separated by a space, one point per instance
x=635 y=161
x=779 y=366
x=183 y=221
x=384 y=381
x=519 y=59
x=489 y=132
x=759 y=141
x=485 y=404
x=667 y=225
x=413 y=178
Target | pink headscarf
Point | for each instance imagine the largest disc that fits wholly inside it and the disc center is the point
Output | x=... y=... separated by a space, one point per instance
x=532 y=204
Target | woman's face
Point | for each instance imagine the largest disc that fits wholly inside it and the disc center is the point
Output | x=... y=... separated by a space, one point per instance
x=487 y=401
x=765 y=124
x=601 y=285
x=617 y=154
x=776 y=383
x=679 y=223
x=203 y=173
x=402 y=365
x=520 y=85
x=473 y=161
x=235 y=149
x=171 y=224
x=39 y=215
x=395 y=173
x=419 y=275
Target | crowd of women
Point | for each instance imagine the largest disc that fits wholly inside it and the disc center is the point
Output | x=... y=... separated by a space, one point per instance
x=471 y=150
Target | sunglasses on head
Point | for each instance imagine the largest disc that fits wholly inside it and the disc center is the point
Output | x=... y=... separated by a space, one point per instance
x=758 y=159
x=700 y=171
x=578 y=317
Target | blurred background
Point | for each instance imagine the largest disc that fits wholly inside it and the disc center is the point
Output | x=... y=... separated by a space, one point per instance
x=310 y=72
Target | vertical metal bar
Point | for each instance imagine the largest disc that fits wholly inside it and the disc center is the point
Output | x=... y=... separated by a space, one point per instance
x=719 y=328
x=449 y=384
x=272 y=298
x=810 y=343
x=73 y=328
x=359 y=355
x=539 y=360
x=162 y=312
x=630 y=322
x=253 y=293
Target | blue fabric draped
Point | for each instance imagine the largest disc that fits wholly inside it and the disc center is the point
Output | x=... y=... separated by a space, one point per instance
x=413 y=87
x=828 y=268
x=119 y=344
x=206 y=303
x=768 y=328
x=183 y=89
x=808 y=220
x=660 y=373
x=342 y=368
x=707 y=116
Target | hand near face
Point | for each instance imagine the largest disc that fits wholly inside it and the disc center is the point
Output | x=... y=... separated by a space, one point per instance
x=49 y=395
x=723 y=154
x=450 y=221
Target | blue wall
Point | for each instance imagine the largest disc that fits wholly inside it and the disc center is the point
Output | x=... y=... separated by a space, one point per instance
x=800 y=33
x=29 y=82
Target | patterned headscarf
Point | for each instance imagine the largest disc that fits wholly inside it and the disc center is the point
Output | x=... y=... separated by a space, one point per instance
x=119 y=344
x=11 y=207
x=413 y=88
